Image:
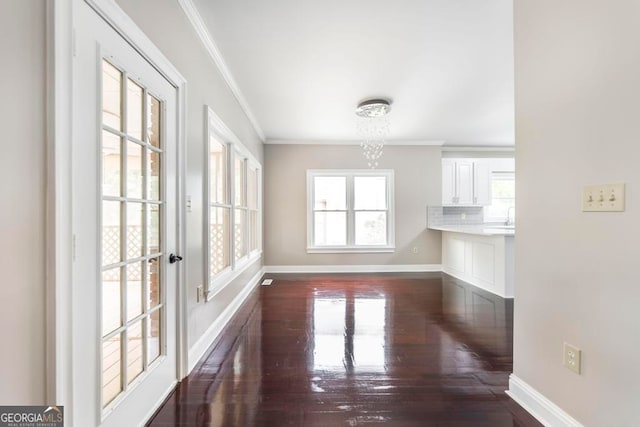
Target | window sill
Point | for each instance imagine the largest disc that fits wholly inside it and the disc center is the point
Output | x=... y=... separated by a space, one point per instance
x=228 y=275
x=350 y=249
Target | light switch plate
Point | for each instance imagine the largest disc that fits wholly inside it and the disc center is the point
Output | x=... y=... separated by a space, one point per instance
x=603 y=198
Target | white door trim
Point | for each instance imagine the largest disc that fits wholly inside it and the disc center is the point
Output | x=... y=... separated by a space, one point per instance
x=60 y=240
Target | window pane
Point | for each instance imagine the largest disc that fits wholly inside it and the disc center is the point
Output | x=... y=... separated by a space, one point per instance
x=330 y=193
x=153 y=175
x=153 y=120
x=134 y=230
x=110 y=300
x=134 y=109
x=370 y=192
x=503 y=197
x=134 y=170
x=239 y=190
x=371 y=228
x=111 y=96
x=111 y=366
x=252 y=188
x=218 y=171
x=219 y=240
x=253 y=230
x=330 y=228
x=110 y=232
x=239 y=233
x=134 y=290
x=111 y=152
x=153 y=336
x=153 y=229
x=134 y=351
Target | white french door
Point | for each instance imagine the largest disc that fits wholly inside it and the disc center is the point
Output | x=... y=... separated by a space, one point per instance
x=125 y=226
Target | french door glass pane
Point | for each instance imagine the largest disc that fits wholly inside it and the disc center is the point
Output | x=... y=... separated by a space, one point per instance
x=153 y=175
x=134 y=170
x=111 y=368
x=134 y=351
x=370 y=192
x=330 y=193
x=134 y=110
x=153 y=283
x=153 y=335
x=217 y=171
x=134 y=290
x=371 y=228
x=219 y=240
x=153 y=120
x=239 y=233
x=111 y=245
x=134 y=230
x=111 y=96
x=153 y=229
x=111 y=310
x=111 y=167
x=330 y=228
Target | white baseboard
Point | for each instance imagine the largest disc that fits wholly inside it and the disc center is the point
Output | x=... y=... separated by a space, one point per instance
x=407 y=268
x=544 y=410
x=200 y=347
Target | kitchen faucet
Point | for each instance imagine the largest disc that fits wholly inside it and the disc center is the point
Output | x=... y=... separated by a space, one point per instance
x=508 y=220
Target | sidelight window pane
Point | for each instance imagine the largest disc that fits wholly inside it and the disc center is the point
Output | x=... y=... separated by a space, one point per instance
x=153 y=175
x=153 y=336
x=153 y=283
x=153 y=229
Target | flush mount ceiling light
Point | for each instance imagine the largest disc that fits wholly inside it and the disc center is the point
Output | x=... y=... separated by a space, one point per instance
x=373 y=128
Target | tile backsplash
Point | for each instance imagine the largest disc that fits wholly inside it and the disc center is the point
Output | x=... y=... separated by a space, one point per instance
x=454 y=215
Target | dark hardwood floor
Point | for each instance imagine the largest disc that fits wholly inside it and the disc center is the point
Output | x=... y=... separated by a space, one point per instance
x=351 y=350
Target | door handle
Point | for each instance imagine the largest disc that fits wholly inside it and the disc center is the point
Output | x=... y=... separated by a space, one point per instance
x=173 y=258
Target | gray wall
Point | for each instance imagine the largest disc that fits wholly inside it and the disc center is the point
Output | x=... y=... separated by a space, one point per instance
x=22 y=191
x=169 y=29
x=578 y=123
x=417 y=184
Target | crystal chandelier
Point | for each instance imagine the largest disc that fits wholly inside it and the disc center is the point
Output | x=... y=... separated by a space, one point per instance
x=373 y=128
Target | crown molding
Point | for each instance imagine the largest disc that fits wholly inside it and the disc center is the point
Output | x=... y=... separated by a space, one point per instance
x=207 y=40
x=431 y=143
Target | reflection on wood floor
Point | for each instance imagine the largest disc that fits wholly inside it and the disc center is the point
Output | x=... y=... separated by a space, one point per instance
x=348 y=350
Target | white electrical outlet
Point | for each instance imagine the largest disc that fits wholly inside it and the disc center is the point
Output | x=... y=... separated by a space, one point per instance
x=200 y=295
x=415 y=250
x=603 y=198
x=572 y=358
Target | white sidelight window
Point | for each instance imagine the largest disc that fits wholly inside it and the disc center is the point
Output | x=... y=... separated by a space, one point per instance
x=232 y=199
x=350 y=211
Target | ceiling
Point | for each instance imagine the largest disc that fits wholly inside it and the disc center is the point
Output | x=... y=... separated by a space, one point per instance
x=302 y=66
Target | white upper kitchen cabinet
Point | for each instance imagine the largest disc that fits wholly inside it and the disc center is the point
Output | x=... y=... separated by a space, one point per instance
x=466 y=182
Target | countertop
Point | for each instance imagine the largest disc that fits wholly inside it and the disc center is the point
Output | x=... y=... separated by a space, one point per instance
x=479 y=229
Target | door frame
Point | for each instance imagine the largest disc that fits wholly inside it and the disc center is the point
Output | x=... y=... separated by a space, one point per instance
x=60 y=241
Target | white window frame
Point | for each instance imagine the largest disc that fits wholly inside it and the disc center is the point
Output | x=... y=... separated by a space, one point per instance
x=216 y=129
x=350 y=246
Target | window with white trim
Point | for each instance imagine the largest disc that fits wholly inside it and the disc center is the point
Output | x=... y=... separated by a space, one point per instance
x=232 y=215
x=503 y=197
x=350 y=211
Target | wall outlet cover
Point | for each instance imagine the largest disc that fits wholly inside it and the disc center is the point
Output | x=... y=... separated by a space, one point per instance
x=572 y=358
